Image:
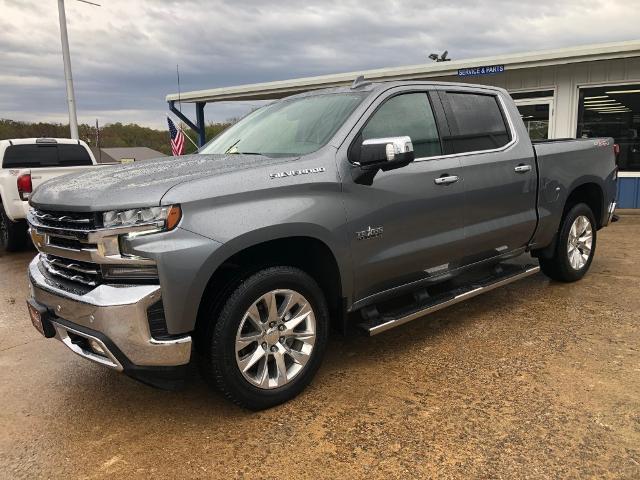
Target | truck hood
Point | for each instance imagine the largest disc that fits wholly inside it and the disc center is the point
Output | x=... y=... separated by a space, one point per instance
x=138 y=184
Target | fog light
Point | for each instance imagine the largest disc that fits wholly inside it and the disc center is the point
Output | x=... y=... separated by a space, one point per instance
x=96 y=347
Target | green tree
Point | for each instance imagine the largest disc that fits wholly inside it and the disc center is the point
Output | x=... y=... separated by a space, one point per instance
x=111 y=134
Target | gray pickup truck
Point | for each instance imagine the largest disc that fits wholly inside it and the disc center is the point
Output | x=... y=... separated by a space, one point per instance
x=365 y=206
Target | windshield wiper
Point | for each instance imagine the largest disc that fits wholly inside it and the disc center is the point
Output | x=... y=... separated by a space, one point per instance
x=228 y=150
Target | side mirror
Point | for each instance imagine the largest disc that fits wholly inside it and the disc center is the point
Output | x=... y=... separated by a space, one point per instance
x=386 y=153
x=382 y=154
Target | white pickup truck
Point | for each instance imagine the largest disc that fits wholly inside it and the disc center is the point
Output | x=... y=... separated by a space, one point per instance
x=25 y=163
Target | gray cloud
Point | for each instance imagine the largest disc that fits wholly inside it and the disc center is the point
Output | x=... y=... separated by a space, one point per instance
x=124 y=53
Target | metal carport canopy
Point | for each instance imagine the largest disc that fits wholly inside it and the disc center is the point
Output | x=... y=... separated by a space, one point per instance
x=283 y=88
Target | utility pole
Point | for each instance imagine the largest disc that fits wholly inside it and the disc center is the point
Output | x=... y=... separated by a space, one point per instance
x=71 y=98
x=98 y=142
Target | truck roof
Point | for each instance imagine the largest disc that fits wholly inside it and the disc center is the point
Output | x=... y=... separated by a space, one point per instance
x=29 y=141
x=378 y=86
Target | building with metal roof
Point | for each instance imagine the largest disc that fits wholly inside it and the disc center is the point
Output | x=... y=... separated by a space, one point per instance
x=125 y=154
x=583 y=91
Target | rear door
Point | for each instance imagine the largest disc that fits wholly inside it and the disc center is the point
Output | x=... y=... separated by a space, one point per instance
x=499 y=173
x=405 y=227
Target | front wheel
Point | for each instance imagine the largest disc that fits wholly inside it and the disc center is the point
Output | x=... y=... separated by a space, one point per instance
x=575 y=247
x=268 y=341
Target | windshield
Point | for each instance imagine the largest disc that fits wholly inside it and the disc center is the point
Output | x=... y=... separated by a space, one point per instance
x=287 y=128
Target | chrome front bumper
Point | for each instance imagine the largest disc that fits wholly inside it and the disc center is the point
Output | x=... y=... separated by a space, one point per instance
x=117 y=315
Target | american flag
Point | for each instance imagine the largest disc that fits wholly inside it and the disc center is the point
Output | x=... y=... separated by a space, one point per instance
x=177 y=139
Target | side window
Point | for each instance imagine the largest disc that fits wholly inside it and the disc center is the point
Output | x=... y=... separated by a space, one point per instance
x=476 y=122
x=409 y=114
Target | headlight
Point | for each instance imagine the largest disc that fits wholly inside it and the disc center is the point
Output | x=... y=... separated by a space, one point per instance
x=160 y=218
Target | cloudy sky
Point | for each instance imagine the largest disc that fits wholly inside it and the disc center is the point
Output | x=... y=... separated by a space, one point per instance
x=124 y=53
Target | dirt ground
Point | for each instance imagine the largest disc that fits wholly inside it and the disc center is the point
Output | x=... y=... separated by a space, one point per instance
x=534 y=380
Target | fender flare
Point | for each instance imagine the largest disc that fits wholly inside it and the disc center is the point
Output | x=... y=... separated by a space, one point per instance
x=256 y=237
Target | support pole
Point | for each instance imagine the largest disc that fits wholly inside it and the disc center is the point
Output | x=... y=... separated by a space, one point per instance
x=202 y=138
x=197 y=127
x=71 y=98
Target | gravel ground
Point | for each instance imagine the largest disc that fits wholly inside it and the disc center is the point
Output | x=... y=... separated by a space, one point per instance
x=534 y=380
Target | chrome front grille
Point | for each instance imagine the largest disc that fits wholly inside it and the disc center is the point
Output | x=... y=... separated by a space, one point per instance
x=70 y=243
x=72 y=270
x=67 y=255
x=66 y=220
x=75 y=248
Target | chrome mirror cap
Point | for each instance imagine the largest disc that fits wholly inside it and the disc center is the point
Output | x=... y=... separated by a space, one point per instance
x=393 y=145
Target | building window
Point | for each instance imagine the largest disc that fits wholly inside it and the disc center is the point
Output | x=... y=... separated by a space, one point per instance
x=533 y=94
x=536 y=117
x=613 y=111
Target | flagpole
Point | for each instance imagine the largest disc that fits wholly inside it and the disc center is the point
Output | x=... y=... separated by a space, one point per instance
x=98 y=142
x=178 y=75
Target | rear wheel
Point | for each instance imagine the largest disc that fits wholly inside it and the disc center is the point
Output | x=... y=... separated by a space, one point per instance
x=575 y=246
x=268 y=341
x=13 y=235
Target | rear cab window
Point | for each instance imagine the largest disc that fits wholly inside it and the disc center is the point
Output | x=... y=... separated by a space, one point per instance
x=476 y=120
x=70 y=155
x=45 y=155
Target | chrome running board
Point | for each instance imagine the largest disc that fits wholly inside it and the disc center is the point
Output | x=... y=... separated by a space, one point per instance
x=461 y=294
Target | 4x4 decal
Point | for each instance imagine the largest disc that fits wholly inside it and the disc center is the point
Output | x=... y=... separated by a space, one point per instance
x=370 y=232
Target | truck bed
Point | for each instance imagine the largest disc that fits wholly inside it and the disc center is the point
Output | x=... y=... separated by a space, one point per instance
x=564 y=163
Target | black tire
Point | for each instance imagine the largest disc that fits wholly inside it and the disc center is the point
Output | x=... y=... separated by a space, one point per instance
x=218 y=355
x=559 y=267
x=13 y=235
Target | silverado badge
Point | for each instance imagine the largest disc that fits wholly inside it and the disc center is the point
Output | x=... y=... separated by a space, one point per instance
x=293 y=173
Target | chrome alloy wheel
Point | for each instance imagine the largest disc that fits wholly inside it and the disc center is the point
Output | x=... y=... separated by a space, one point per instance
x=580 y=241
x=275 y=338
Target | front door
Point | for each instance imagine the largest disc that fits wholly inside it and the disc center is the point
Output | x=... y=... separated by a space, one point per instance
x=405 y=227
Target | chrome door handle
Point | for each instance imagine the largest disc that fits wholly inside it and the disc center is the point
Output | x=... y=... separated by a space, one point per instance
x=446 y=180
x=522 y=168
